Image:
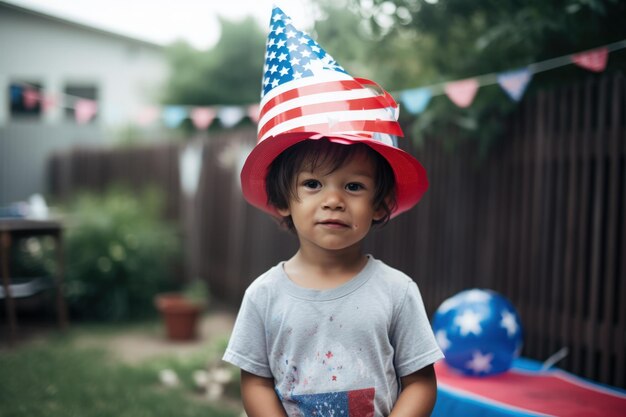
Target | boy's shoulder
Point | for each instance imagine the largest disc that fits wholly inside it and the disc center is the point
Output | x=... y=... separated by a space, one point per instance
x=390 y=275
x=266 y=282
x=389 y=280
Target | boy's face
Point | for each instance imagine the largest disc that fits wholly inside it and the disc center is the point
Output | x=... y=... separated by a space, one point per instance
x=334 y=210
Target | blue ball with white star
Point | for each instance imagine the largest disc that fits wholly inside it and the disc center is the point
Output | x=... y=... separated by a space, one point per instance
x=479 y=331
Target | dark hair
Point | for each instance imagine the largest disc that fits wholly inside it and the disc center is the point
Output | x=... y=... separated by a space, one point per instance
x=311 y=154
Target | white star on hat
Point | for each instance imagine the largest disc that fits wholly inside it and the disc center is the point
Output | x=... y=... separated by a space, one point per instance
x=315 y=66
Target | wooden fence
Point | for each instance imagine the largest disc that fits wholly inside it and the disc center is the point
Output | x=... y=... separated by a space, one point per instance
x=540 y=220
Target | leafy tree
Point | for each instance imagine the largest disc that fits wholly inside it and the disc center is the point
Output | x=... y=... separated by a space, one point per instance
x=425 y=42
x=363 y=53
x=230 y=73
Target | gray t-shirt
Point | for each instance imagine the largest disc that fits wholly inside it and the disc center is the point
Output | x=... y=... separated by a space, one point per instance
x=334 y=352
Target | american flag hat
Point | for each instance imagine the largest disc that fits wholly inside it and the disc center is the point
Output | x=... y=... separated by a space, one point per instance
x=307 y=95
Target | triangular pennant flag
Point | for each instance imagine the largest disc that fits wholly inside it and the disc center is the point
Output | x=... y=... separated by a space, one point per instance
x=462 y=92
x=147 y=115
x=594 y=60
x=202 y=117
x=514 y=82
x=85 y=110
x=230 y=115
x=174 y=115
x=48 y=102
x=31 y=97
x=16 y=93
x=253 y=112
x=416 y=100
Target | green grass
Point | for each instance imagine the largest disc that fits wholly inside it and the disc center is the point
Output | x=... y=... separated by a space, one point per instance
x=58 y=380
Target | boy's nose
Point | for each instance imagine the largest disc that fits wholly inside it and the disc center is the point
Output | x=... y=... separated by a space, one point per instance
x=333 y=201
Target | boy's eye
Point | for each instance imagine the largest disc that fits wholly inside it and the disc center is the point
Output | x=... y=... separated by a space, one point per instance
x=313 y=184
x=354 y=186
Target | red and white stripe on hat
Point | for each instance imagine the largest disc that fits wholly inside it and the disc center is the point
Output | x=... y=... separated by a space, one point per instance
x=305 y=90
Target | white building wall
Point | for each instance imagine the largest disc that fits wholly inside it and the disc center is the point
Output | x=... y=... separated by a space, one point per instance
x=128 y=74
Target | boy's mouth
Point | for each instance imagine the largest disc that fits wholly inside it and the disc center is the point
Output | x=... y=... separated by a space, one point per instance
x=332 y=223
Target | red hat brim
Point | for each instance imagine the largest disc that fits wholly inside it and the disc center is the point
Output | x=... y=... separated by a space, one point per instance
x=410 y=175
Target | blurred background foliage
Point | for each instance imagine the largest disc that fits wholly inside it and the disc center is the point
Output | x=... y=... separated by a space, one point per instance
x=35 y=257
x=403 y=44
x=120 y=253
x=230 y=73
x=456 y=39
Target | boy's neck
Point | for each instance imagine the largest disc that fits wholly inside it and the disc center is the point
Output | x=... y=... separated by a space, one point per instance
x=325 y=270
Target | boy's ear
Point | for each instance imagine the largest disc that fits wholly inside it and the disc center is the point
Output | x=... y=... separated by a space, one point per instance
x=284 y=212
x=380 y=212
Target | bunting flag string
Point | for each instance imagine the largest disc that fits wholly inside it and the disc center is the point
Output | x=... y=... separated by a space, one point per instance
x=30 y=96
x=172 y=116
x=513 y=82
x=461 y=92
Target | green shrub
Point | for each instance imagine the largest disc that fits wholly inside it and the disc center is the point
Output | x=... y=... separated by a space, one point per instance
x=120 y=253
x=34 y=257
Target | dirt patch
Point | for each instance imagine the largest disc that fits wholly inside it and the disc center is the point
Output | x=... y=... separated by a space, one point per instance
x=139 y=345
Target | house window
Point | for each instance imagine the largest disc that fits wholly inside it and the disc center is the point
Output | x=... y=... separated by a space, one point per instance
x=82 y=102
x=25 y=98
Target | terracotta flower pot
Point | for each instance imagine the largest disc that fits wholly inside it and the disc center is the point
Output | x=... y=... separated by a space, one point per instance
x=180 y=316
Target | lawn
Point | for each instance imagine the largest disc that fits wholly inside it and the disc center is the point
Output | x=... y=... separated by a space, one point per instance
x=61 y=378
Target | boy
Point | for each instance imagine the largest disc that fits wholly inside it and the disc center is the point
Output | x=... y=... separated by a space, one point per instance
x=331 y=331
